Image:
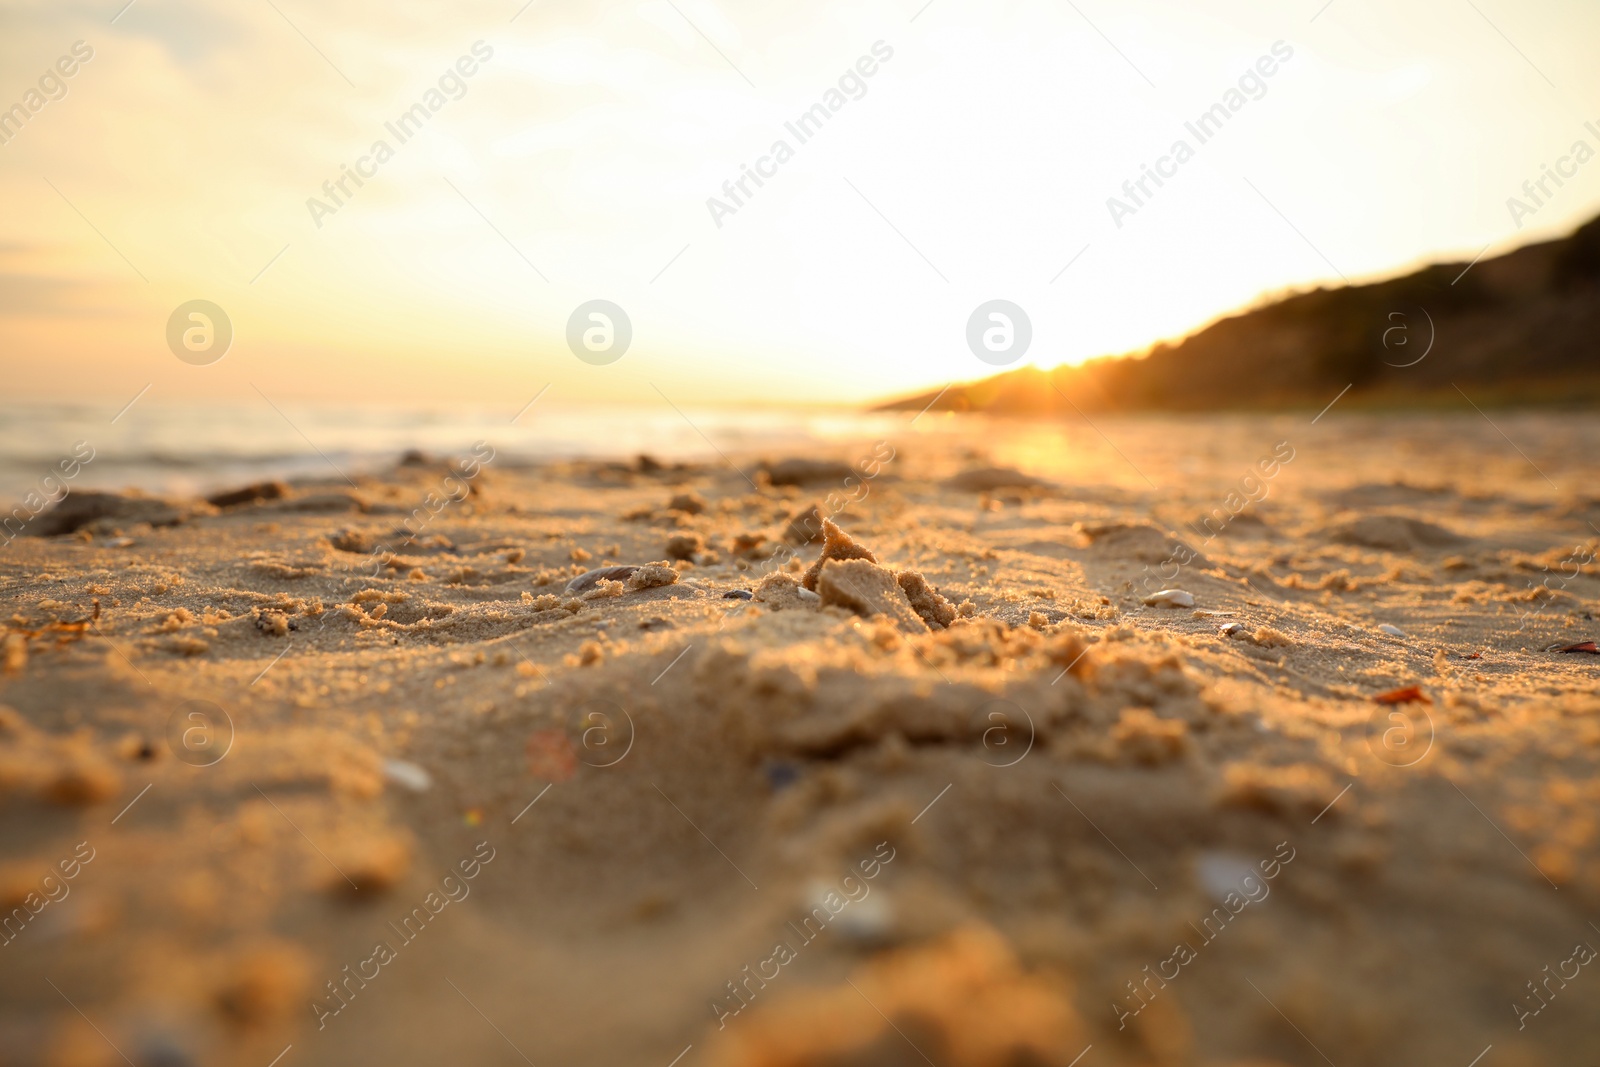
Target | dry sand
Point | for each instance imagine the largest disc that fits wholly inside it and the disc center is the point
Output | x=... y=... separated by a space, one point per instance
x=1065 y=821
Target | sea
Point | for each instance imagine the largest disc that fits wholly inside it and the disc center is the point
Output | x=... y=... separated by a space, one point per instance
x=185 y=449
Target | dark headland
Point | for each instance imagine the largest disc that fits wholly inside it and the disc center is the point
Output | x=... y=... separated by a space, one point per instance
x=1521 y=328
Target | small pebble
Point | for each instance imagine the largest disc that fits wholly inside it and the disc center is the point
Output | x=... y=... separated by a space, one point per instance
x=1391 y=629
x=1231 y=628
x=1170 y=598
x=413 y=777
x=162 y=1050
x=781 y=775
x=808 y=596
x=737 y=594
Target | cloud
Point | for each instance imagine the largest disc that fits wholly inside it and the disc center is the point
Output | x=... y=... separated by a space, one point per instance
x=32 y=296
x=192 y=33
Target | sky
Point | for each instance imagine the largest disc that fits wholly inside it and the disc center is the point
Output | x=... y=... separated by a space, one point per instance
x=576 y=162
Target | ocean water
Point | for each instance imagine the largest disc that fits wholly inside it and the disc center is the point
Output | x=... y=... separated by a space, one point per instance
x=196 y=448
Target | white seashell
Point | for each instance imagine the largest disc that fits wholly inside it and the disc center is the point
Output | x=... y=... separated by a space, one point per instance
x=808 y=596
x=867 y=920
x=1391 y=629
x=1222 y=873
x=1231 y=629
x=1170 y=598
x=413 y=777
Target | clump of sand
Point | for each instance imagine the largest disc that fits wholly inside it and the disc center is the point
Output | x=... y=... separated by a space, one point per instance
x=867 y=589
x=836 y=545
x=847 y=575
x=925 y=600
x=783 y=592
x=651 y=576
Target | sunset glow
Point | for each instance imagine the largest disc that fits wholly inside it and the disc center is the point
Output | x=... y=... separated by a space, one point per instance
x=410 y=210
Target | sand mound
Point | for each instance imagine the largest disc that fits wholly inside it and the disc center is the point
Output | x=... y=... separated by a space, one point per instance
x=987 y=479
x=108 y=512
x=1396 y=533
x=806 y=471
x=249 y=494
x=962 y=1001
x=1134 y=540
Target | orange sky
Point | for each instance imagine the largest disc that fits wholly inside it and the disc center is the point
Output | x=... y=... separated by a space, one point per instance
x=575 y=162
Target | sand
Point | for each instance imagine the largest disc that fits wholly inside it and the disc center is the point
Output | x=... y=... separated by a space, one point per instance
x=378 y=800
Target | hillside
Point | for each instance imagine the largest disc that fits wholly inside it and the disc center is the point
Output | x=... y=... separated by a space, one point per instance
x=1521 y=328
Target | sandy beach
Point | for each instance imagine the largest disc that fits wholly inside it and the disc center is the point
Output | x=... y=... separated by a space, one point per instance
x=406 y=770
x=894 y=534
